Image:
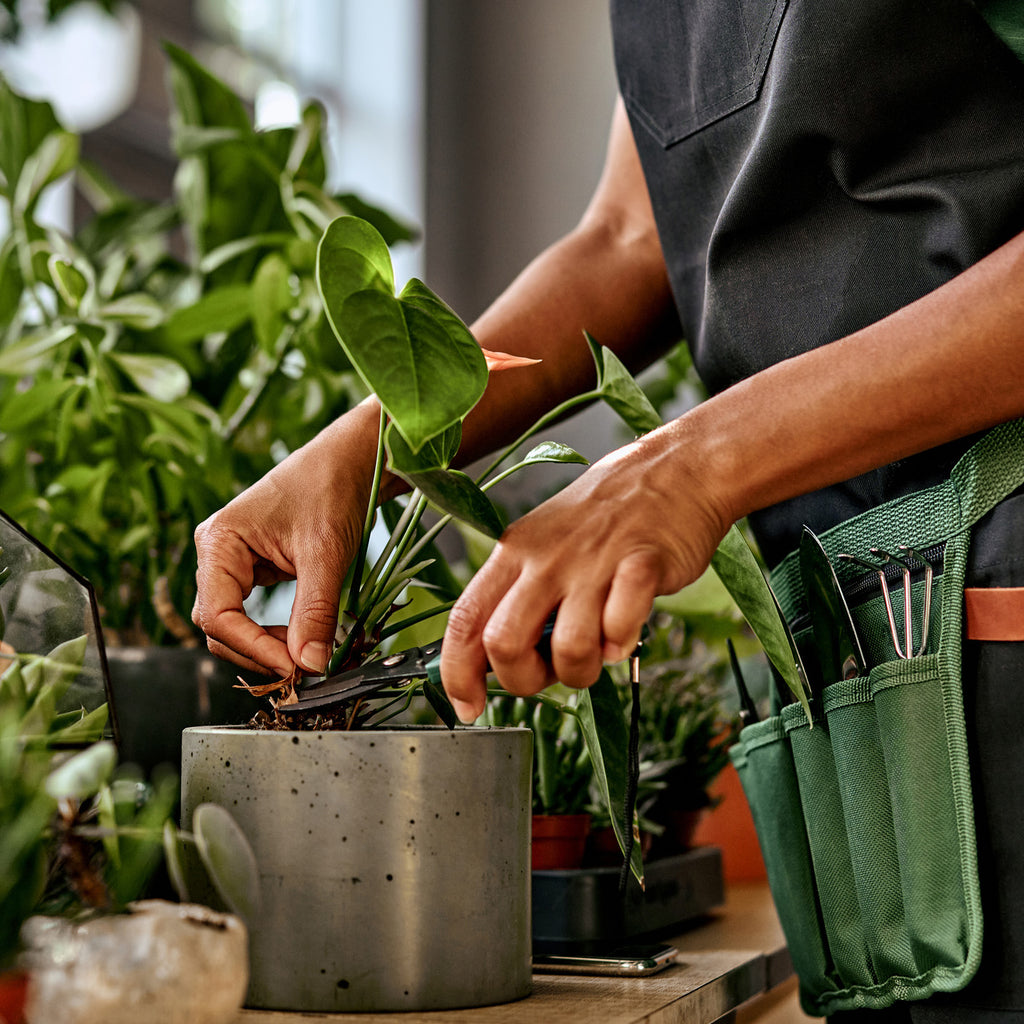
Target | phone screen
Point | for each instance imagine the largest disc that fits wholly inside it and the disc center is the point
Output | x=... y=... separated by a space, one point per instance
x=621 y=961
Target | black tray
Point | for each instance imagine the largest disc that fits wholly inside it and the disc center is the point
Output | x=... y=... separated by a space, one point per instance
x=584 y=906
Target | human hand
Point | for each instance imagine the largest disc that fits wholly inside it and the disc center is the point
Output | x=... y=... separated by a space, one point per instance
x=302 y=521
x=635 y=525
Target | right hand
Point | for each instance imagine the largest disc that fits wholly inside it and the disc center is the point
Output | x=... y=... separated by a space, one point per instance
x=302 y=521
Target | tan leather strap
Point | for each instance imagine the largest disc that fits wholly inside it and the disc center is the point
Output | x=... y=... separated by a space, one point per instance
x=994 y=613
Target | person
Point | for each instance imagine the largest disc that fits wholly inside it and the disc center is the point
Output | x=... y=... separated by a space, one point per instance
x=829 y=206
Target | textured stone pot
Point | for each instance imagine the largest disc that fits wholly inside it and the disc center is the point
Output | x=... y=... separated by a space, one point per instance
x=394 y=864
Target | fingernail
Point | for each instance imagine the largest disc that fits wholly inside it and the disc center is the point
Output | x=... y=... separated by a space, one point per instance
x=466 y=713
x=614 y=653
x=313 y=657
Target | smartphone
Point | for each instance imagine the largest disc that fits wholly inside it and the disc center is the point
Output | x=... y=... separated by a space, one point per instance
x=633 y=961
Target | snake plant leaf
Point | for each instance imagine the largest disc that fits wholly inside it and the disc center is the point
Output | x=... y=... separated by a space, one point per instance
x=229 y=860
x=739 y=571
x=618 y=389
x=456 y=494
x=599 y=711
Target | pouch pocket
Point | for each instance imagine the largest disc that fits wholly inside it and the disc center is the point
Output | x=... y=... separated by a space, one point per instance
x=862 y=823
x=683 y=65
x=764 y=763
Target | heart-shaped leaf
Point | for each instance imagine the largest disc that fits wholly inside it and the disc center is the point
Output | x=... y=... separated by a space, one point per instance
x=351 y=257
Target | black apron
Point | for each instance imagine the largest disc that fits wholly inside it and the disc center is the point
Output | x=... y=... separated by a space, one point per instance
x=813 y=167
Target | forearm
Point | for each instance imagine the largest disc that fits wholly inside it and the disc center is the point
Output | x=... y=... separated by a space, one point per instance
x=943 y=367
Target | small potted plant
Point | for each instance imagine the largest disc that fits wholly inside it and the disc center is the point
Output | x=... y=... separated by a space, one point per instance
x=563 y=774
x=408 y=798
x=78 y=839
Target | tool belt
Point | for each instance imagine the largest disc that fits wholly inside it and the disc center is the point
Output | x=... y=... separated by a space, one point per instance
x=865 y=818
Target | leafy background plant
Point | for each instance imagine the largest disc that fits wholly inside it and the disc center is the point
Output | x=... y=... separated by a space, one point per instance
x=162 y=357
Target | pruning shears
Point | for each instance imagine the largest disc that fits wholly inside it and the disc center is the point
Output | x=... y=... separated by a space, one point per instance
x=391 y=670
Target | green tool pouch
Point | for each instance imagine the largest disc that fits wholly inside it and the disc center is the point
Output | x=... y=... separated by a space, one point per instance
x=865 y=819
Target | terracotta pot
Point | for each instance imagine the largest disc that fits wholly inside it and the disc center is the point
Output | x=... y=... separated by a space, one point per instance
x=558 y=841
x=13 y=992
x=603 y=847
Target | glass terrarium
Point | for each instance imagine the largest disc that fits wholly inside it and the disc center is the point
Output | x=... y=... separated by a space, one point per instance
x=45 y=604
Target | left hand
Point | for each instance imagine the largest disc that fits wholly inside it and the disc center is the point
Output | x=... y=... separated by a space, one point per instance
x=633 y=526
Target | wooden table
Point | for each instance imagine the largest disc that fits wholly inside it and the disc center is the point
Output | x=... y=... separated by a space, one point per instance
x=735 y=955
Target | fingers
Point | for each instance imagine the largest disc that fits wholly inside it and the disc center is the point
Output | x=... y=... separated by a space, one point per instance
x=634 y=587
x=224 y=579
x=314 y=618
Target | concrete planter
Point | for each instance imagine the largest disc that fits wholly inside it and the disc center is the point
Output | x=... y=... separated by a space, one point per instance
x=394 y=864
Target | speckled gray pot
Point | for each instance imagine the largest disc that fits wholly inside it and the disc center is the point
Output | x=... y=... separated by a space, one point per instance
x=394 y=864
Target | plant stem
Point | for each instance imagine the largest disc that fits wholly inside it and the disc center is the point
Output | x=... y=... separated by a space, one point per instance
x=412 y=620
x=547 y=418
x=371 y=514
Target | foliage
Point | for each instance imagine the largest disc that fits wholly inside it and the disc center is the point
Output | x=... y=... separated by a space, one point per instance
x=74 y=831
x=142 y=389
x=562 y=768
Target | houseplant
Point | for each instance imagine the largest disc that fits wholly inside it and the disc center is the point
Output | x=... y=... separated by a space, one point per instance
x=78 y=838
x=444 y=786
x=160 y=358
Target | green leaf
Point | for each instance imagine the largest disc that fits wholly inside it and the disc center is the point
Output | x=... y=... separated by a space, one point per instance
x=619 y=390
x=174 y=858
x=437 y=453
x=271 y=300
x=222 y=309
x=391 y=230
x=68 y=280
x=137 y=310
x=426 y=374
x=24 y=408
x=157 y=376
x=553 y=451
x=599 y=711
x=739 y=571
x=24 y=124
x=438 y=700
x=351 y=257
x=57 y=155
x=83 y=774
x=239 y=246
x=455 y=493
x=34 y=351
x=87 y=728
x=229 y=860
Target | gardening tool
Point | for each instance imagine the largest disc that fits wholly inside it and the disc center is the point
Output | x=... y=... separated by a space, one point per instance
x=390 y=670
x=748 y=709
x=905 y=647
x=840 y=655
